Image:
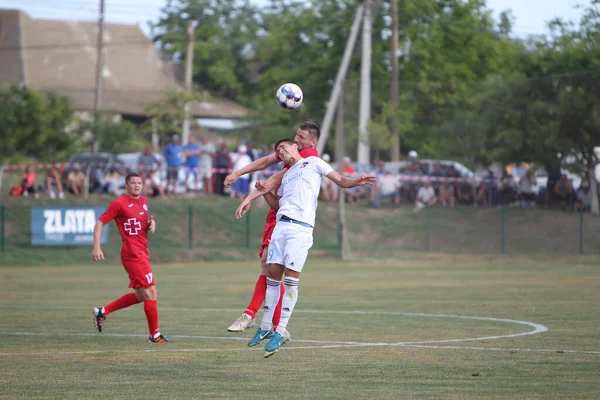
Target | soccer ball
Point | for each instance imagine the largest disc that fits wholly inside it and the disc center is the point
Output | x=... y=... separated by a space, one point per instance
x=289 y=96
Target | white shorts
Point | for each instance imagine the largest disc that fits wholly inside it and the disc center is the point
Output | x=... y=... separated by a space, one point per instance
x=289 y=245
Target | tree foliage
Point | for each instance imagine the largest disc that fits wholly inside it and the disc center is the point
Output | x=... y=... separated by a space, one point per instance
x=34 y=125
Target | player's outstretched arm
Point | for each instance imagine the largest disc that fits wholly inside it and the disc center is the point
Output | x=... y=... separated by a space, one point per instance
x=256 y=165
x=97 y=254
x=347 y=182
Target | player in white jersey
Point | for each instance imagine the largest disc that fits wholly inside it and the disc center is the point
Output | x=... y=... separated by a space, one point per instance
x=292 y=237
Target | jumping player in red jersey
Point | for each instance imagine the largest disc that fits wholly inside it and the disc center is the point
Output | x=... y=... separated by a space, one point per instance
x=133 y=220
x=307 y=137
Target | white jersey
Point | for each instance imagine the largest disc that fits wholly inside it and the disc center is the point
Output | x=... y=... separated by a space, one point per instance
x=300 y=188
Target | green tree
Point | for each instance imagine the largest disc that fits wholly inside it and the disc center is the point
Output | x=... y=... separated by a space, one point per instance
x=113 y=134
x=35 y=125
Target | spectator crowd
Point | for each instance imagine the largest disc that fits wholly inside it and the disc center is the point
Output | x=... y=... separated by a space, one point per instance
x=200 y=166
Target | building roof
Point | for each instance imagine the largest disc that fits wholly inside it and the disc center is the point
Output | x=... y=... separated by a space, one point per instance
x=60 y=57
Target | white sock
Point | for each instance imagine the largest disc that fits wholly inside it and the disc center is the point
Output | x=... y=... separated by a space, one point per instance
x=290 y=297
x=271 y=300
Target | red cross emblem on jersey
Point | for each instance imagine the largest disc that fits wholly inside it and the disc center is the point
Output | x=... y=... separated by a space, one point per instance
x=132 y=226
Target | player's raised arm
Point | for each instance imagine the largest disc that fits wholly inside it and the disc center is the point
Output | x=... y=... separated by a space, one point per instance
x=347 y=182
x=256 y=165
x=97 y=254
x=273 y=182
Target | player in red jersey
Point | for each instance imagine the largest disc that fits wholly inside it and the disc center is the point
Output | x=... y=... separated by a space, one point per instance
x=133 y=220
x=307 y=137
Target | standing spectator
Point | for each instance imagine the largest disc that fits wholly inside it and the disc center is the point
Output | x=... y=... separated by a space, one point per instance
x=388 y=186
x=223 y=165
x=207 y=155
x=192 y=161
x=526 y=190
x=173 y=160
x=507 y=188
x=77 y=181
x=241 y=187
x=28 y=183
x=412 y=169
x=447 y=193
x=563 y=192
x=52 y=181
x=347 y=168
x=147 y=163
x=380 y=173
x=425 y=196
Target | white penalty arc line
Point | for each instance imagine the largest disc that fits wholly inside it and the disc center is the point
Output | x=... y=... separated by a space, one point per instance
x=537 y=329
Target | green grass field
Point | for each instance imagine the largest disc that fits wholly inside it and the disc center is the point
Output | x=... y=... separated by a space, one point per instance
x=428 y=326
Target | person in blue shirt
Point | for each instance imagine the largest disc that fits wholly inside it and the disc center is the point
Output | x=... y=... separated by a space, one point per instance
x=192 y=160
x=173 y=159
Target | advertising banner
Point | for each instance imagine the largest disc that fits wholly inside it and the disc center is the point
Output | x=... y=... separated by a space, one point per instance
x=65 y=226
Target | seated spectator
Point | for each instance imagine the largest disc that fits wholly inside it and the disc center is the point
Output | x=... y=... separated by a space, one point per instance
x=329 y=190
x=465 y=193
x=526 y=190
x=447 y=194
x=355 y=194
x=28 y=183
x=154 y=186
x=52 y=181
x=487 y=192
x=425 y=197
x=436 y=174
x=412 y=169
x=114 y=183
x=77 y=181
x=563 y=192
x=584 y=197
x=507 y=189
x=388 y=187
x=380 y=172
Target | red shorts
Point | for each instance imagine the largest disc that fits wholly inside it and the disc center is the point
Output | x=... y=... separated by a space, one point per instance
x=140 y=273
x=266 y=239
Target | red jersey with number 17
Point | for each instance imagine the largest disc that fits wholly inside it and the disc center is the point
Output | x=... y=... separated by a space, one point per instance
x=132 y=219
x=272 y=214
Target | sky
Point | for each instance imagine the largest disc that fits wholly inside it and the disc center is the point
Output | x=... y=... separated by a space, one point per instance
x=531 y=15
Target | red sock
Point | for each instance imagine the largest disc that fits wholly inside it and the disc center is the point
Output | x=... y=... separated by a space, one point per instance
x=152 y=316
x=277 y=312
x=258 y=296
x=122 y=302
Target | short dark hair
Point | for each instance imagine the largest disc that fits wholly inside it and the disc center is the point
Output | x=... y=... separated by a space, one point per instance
x=285 y=140
x=132 y=175
x=311 y=128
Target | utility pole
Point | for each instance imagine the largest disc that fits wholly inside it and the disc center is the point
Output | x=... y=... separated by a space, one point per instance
x=99 y=77
x=339 y=79
x=339 y=157
x=364 y=114
x=189 y=66
x=394 y=84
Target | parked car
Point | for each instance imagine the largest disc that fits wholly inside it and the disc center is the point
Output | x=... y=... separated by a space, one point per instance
x=427 y=167
x=98 y=164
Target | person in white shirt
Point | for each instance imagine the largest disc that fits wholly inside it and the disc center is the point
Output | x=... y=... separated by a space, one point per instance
x=241 y=159
x=293 y=234
x=425 y=196
x=207 y=153
x=388 y=186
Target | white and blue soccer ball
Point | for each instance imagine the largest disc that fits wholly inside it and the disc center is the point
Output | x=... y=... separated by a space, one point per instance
x=289 y=96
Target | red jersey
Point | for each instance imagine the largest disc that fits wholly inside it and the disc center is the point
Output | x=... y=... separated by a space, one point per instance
x=132 y=219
